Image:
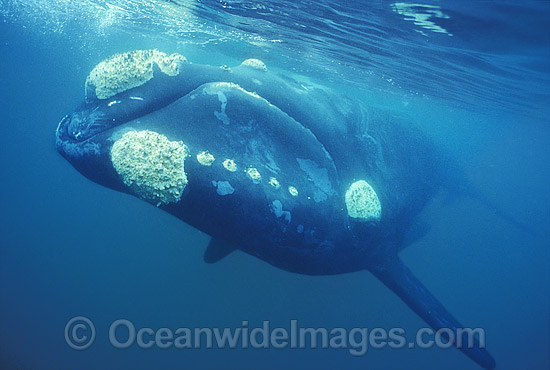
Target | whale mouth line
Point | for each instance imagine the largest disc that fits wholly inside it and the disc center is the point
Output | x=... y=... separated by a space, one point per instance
x=96 y=127
x=91 y=120
x=98 y=116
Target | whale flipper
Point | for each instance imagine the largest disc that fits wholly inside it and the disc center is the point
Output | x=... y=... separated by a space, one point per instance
x=396 y=276
x=217 y=250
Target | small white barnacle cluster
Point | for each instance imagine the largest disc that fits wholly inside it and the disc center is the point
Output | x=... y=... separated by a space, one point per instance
x=219 y=88
x=256 y=178
x=151 y=165
x=293 y=191
x=205 y=158
x=274 y=182
x=121 y=72
x=362 y=202
x=254 y=175
x=230 y=165
x=256 y=64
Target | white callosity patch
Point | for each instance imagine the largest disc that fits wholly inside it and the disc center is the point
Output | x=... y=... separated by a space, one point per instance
x=230 y=165
x=223 y=187
x=319 y=177
x=220 y=89
x=274 y=182
x=256 y=64
x=293 y=191
x=124 y=71
x=254 y=175
x=277 y=209
x=151 y=165
x=221 y=114
x=205 y=158
x=224 y=87
x=362 y=202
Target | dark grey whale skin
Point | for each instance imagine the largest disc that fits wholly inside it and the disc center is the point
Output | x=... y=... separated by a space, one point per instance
x=282 y=121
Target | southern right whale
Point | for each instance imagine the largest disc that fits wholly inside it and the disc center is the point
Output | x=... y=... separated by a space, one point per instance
x=297 y=175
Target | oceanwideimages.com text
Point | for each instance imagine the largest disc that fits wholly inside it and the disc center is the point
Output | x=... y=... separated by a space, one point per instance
x=80 y=333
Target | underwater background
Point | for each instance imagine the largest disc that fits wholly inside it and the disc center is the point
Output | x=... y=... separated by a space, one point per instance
x=475 y=75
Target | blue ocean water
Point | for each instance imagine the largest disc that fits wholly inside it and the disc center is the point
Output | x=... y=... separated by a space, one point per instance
x=474 y=74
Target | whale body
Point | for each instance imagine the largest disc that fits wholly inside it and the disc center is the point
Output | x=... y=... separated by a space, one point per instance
x=301 y=177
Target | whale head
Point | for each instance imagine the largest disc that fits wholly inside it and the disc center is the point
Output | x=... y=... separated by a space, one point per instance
x=227 y=159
